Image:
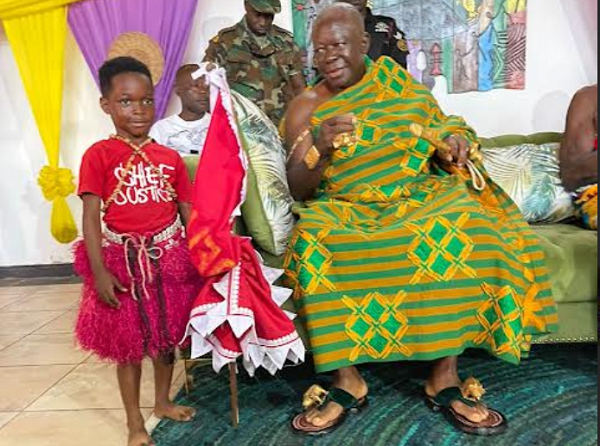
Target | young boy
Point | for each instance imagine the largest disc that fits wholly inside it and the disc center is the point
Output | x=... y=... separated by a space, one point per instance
x=139 y=283
x=187 y=131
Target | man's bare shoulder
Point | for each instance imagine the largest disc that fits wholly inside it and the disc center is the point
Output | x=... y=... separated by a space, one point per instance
x=590 y=89
x=310 y=98
x=583 y=109
x=301 y=109
x=306 y=98
x=587 y=94
x=304 y=103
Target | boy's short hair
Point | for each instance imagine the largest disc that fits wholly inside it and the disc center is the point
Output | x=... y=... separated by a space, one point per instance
x=120 y=65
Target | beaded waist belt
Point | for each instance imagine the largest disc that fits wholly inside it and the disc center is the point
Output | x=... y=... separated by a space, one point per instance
x=141 y=252
x=162 y=236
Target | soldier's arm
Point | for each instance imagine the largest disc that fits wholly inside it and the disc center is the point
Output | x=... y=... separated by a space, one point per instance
x=296 y=74
x=215 y=52
x=398 y=47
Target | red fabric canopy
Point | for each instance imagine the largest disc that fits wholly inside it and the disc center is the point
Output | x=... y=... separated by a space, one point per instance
x=237 y=312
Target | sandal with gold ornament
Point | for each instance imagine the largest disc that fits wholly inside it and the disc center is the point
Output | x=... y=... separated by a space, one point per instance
x=469 y=393
x=316 y=397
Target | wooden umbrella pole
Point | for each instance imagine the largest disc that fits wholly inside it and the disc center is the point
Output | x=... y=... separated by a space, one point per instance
x=235 y=408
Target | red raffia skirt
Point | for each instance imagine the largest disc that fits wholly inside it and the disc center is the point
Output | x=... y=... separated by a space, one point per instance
x=162 y=284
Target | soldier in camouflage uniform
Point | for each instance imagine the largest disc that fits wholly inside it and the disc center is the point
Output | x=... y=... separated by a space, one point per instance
x=262 y=61
x=386 y=38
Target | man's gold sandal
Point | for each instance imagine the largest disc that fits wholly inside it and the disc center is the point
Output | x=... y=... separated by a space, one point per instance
x=470 y=394
x=316 y=397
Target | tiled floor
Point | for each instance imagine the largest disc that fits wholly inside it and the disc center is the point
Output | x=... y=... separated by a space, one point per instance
x=51 y=393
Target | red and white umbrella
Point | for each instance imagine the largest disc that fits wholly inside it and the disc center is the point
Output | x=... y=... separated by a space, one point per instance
x=237 y=313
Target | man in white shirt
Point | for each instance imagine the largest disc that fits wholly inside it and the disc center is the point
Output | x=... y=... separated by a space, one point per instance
x=186 y=132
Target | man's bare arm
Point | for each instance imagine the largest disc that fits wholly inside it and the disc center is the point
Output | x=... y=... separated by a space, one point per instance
x=298 y=84
x=578 y=160
x=299 y=140
x=303 y=182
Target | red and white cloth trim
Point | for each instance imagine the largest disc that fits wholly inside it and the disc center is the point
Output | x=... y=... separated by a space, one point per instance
x=256 y=352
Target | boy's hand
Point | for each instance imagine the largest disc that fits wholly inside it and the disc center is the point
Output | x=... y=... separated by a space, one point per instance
x=105 y=285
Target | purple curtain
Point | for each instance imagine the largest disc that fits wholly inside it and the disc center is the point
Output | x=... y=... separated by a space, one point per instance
x=96 y=23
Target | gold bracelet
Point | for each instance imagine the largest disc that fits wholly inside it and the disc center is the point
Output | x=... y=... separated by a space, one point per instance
x=298 y=141
x=312 y=158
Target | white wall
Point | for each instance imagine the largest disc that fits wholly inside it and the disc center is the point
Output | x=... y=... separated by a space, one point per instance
x=562 y=57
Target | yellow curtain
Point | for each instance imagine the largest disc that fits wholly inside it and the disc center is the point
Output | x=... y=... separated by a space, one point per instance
x=38 y=43
x=10 y=9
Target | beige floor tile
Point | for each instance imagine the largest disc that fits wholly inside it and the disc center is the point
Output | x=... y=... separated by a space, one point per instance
x=9 y=299
x=63 y=324
x=5 y=417
x=19 y=290
x=93 y=359
x=25 y=323
x=20 y=386
x=92 y=386
x=177 y=385
x=43 y=350
x=44 y=302
x=66 y=428
x=7 y=340
x=58 y=289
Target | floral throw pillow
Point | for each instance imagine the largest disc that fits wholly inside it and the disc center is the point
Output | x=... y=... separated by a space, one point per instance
x=267 y=211
x=530 y=175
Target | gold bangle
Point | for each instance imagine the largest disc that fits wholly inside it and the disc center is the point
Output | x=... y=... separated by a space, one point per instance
x=298 y=141
x=312 y=158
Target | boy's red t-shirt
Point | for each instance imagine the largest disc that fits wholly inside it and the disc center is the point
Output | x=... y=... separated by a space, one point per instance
x=143 y=205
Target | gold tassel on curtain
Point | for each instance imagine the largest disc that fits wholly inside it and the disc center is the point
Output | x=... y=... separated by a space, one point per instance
x=38 y=43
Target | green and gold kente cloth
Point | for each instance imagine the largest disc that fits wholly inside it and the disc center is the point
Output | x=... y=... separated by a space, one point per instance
x=397 y=260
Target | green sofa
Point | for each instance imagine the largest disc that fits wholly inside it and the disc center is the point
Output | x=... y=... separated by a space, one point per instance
x=571 y=255
x=572 y=260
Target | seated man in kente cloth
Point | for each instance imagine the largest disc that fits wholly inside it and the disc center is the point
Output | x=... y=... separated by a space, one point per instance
x=400 y=252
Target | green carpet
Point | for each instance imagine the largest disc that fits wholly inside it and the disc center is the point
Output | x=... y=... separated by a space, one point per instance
x=550 y=400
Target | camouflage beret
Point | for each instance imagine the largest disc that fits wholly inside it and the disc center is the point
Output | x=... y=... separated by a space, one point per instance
x=266 y=6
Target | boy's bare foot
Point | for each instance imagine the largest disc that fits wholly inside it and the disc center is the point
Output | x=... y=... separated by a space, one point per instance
x=140 y=438
x=174 y=412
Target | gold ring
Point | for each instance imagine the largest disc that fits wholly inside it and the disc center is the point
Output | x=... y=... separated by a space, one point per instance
x=343 y=140
x=475 y=153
